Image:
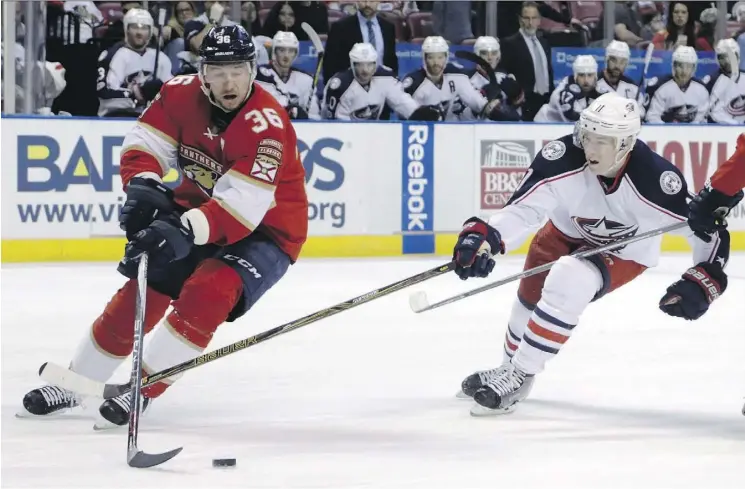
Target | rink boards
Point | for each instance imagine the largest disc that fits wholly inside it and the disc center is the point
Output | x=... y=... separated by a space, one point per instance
x=375 y=189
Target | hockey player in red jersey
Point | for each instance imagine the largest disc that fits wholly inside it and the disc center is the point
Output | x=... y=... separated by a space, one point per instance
x=723 y=192
x=228 y=232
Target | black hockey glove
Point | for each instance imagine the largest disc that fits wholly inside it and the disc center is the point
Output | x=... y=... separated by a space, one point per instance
x=690 y=297
x=297 y=113
x=165 y=240
x=477 y=243
x=150 y=89
x=147 y=199
x=492 y=92
x=708 y=209
x=426 y=113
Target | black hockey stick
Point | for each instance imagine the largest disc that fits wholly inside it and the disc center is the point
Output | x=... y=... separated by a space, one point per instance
x=136 y=457
x=419 y=302
x=62 y=377
x=320 y=52
x=161 y=21
x=481 y=62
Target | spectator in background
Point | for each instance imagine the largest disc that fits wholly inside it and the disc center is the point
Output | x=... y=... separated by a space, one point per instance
x=738 y=12
x=529 y=59
x=88 y=15
x=365 y=26
x=508 y=16
x=452 y=20
x=628 y=26
x=289 y=16
x=250 y=18
x=705 y=39
x=680 y=30
x=651 y=19
x=173 y=32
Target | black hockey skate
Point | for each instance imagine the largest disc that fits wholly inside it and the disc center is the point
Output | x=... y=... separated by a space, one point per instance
x=502 y=392
x=476 y=381
x=115 y=411
x=47 y=400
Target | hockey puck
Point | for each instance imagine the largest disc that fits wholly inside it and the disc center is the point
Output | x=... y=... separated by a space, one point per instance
x=223 y=462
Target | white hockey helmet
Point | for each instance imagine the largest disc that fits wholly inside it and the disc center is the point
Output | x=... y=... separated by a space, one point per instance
x=617 y=49
x=607 y=130
x=727 y=46
x=435 y=44
x=138 y=16
x=363 y=52
x=285 y=39
x=685 y=54
x=486 y=43
x=584 y=64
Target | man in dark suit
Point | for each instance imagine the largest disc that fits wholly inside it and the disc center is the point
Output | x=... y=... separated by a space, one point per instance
x=365 y=26
x=529 y=59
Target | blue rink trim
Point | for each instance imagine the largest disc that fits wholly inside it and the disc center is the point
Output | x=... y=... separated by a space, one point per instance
x=418 y=243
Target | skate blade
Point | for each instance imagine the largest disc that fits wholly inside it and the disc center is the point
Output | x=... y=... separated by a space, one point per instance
x=75 y=412
x=478 y=411
x=462 y=395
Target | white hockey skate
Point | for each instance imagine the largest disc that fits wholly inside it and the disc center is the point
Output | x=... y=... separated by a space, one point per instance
x=502 y=392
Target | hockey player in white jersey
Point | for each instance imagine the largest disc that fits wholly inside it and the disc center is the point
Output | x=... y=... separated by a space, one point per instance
x=362 y=91
x=612 y=77
x=727 y=90
x=573 y=94
x=595 y=187
x=512 y=96
x=292 y=88
x=679 y=97
x=126 y=82
x=447 y=87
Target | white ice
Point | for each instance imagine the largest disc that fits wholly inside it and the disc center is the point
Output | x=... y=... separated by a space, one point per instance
x=366 y=399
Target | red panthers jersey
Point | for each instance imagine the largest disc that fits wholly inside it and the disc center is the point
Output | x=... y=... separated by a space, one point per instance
x=730 y=176
x=247 y=177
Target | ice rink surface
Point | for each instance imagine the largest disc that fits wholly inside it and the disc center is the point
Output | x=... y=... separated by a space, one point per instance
x=636 y=399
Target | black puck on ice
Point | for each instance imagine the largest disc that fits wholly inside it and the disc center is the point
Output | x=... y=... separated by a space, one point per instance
x=223 y=462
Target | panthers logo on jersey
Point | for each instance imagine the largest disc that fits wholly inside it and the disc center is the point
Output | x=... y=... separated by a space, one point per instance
x=602 y=231
x=199 y=168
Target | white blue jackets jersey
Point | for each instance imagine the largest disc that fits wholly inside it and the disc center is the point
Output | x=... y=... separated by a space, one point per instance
x=727 y=98
x=345 y=99
x=566 y=102
x=295 y=91
x=118 y=68
x=649 y=193
x=668 y=103
x=454 y=95
x=625 y=88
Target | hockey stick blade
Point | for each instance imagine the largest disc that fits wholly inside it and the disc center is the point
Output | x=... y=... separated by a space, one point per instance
x=481 y=62
x=108 y=391
x=418 y=301
x=142 y=460
x=421 y=307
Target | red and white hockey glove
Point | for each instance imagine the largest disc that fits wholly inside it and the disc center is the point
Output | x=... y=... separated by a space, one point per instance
x=477 y=243
x=690 y=297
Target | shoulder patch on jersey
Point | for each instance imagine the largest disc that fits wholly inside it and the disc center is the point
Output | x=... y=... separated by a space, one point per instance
x=670 y=182
x=407 y=82
x=574 y=88
x=334 y=83
x=653 y=81
x=265 y=70
x=554 y=150
x=268 y=160
x=103 y=55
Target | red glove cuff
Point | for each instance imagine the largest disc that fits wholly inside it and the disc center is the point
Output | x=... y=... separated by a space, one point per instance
x=700 y=276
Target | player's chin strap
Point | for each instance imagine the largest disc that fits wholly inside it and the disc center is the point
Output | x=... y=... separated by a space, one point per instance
x=419 y=302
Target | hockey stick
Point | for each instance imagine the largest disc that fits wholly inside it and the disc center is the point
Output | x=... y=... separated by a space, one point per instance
x=481 y=62
x=320 y=52
x=62 y=377
x=136 y=457
x=643 y=81
x=419 y=302
x=161 y=21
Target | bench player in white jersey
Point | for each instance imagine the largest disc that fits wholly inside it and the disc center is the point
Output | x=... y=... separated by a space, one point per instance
x=678 y=97
x=727 y=92
x=291 y=87
x=595 y=187
x=612 y=77
x=447 y=87
x=512 y=96
x=573 y=94
x=362 y=91
x=126 y=82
